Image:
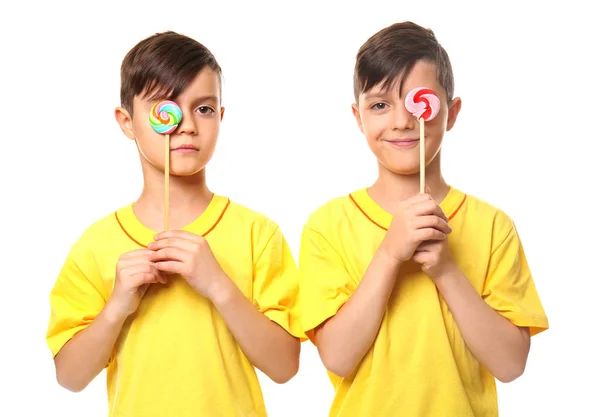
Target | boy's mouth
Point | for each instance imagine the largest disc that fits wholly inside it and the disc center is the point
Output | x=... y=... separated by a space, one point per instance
x=185 y=148
x=403 y=142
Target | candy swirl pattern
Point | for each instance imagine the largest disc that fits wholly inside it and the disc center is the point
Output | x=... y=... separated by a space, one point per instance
x=165 y=116
x=422 y=102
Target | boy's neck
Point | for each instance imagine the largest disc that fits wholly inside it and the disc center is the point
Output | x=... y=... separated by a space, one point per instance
x=188 y=198
x=390 y=189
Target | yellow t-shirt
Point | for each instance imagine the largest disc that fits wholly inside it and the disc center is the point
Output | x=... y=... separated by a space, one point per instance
x=419 y=364
x=175 y=356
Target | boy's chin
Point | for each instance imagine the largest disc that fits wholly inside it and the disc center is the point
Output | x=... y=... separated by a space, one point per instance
x=181 y=172
x=402 y=169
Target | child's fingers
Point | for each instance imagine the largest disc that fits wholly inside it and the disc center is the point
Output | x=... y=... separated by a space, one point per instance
x=429 y=234
x=130 y=274
x=173 y=242
x=169 y=254
x=180 y=235
x=171 y=267
x=429 y=207
x=143 y=289
x=425 y=246
x=134 y=254
x=146 y=278
x=433 y=222
x=131 y=259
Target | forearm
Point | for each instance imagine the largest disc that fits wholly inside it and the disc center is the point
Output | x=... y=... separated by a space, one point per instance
x=88 y=352
x=344 y=339
x=498 y=344
x=267 y=345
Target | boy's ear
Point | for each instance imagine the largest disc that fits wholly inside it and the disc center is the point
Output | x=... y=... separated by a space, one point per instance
x=356 y=114
x=222 y=112
x=453 y=110
x=125 y=122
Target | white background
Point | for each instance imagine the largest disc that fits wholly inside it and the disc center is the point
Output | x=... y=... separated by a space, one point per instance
x=526 y=141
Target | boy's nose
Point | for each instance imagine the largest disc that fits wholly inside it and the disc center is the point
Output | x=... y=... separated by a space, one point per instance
x=187 y=124
x=403 y=119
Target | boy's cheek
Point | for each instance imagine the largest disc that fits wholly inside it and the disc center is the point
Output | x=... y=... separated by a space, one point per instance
x=144 y=132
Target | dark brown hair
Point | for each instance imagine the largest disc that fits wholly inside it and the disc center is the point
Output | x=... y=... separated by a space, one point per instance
x=162 y=66
x=393 y=52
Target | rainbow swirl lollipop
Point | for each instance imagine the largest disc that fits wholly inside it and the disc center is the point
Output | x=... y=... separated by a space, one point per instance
x=165 y=116
x=422 y=102
x=164 y=119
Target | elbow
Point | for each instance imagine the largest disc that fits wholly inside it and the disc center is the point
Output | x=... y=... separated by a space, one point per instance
x=508 y=377
x=69 y=383
x=285 y=375
x=288 y=368
x=286 y=372
x=339 y=369
x=514 y=365
x=511 y=372
x=336 y=364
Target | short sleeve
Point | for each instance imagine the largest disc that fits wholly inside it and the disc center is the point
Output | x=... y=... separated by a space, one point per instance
x=509 y=286
x=76 y=298
x=325 y=284
x=275 y=284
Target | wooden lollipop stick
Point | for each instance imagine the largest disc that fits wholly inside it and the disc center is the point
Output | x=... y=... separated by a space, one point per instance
x=164 y=118
x=167 y=170
x=422 y=103
x=422 y=152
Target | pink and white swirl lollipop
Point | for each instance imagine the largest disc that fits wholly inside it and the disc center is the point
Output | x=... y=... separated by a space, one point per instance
x=424 y=104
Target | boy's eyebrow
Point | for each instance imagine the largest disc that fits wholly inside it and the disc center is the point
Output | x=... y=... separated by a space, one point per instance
x=209 y=97
x=380 y=94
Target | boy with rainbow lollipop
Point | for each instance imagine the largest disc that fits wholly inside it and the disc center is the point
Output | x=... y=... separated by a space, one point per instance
x=416 y=301
x=179 y=317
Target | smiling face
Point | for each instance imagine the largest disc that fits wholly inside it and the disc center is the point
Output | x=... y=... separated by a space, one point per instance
x=392 y=132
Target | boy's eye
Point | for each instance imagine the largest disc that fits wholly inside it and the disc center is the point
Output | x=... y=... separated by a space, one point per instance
x=205 y=110
x=379 y=106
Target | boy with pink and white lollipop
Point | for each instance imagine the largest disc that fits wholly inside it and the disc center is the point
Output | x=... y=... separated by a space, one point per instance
x=417 y=297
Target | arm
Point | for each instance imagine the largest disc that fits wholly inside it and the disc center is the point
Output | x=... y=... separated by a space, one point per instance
x=496 y=325
x=344 y=339
x=83 y=357
x=497 y=343
x=267 y=345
